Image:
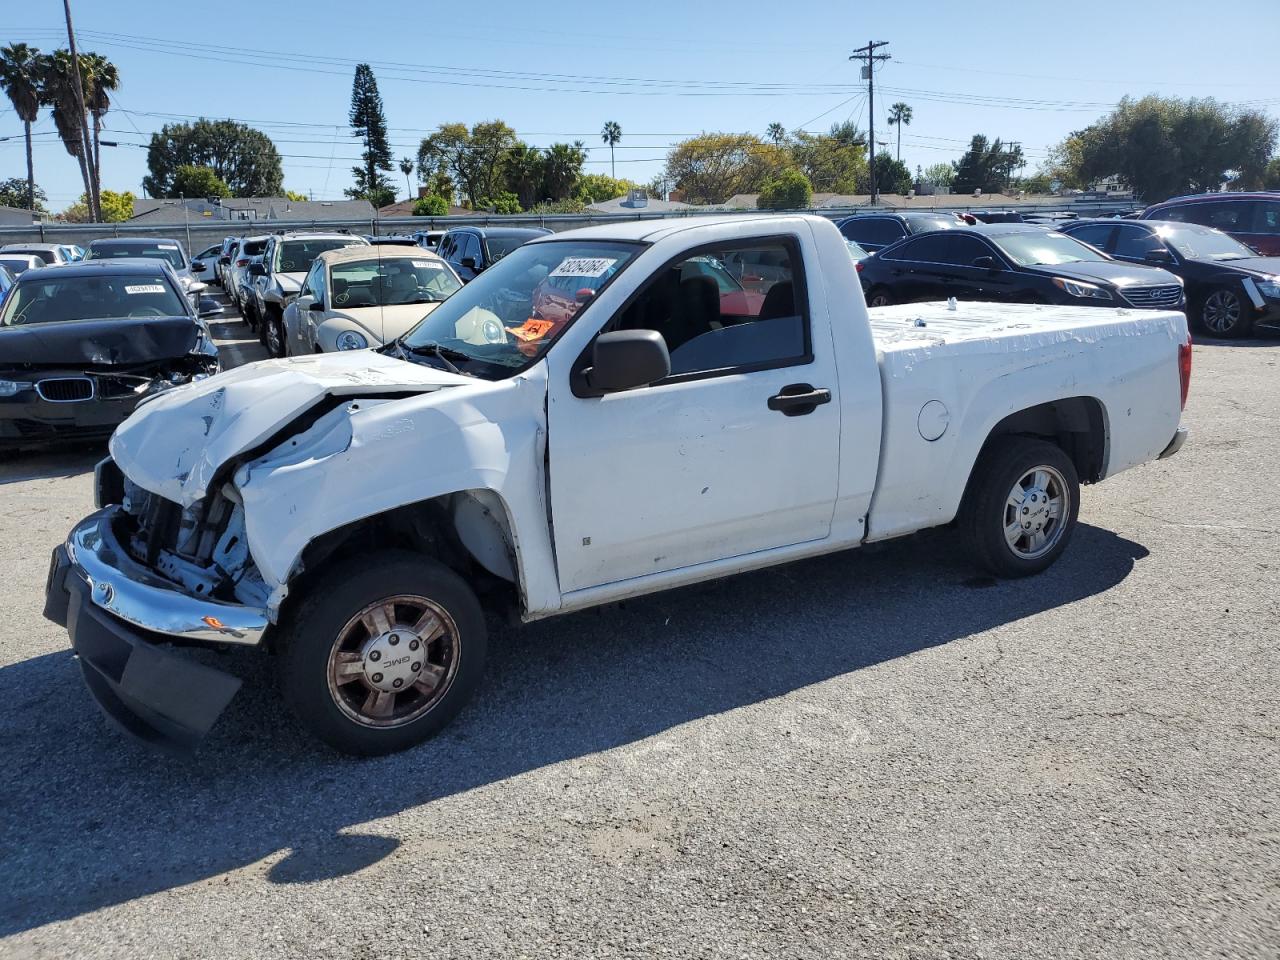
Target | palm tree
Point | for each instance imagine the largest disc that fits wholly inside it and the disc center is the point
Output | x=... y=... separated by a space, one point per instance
x=58 y=90
x=776 y=132
x=562 y=168
x=406 y=167
x=102 y=78
x=611 y=134
x=19 y=78
x=900 y=116
x=524 y=166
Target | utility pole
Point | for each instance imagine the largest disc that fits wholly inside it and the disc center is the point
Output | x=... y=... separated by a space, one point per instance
x=869 y=58
x=86 y=143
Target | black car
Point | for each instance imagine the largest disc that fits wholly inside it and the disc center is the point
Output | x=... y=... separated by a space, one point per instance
x=82 y=344
x=875 y=231
x=1012 y=262
x=470 y=249
x=1230 y=289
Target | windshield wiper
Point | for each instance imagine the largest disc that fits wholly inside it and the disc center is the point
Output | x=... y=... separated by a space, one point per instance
x=432 y=349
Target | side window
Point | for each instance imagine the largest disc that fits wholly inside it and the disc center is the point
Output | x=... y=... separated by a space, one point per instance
x=712 y=322
x=446 y=247
x=948 y=248
x=313 y=286
x=1135 y=242
x=1228 y=216
x=1095 y=234
x=874 y=230
x=472 y=247
x=1266 y=217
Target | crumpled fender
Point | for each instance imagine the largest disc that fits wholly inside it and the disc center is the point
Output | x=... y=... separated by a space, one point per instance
x=369 y=456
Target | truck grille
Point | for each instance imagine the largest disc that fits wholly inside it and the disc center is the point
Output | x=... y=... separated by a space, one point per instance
x=65 y=389
x=1166 y=296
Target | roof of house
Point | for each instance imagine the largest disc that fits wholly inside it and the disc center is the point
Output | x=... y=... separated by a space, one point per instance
x=16 y=215
x=404 y=208
x=258 y=208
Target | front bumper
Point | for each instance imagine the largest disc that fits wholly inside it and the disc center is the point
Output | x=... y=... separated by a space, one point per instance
x=118 y=614
x=28 y=420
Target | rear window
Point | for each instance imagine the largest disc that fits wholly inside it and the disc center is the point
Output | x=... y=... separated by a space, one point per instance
x=53 y=298
x=296 y=256
x=155 y=250
x=926 y=224
x=46 y=256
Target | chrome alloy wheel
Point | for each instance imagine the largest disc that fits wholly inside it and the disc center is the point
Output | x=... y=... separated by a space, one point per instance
x=393 y=661
x=1035 y=512
x=1222 y=310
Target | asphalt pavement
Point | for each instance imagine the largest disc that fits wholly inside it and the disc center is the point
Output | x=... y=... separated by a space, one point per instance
x=876 y=754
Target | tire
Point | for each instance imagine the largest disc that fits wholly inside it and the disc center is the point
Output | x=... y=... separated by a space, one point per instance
x=273 y=337
x=1224 y=312
x=879 y=297
x=330 y=654
x=1009 y=467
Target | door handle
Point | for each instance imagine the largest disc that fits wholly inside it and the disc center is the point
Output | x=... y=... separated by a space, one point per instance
x=797 y=399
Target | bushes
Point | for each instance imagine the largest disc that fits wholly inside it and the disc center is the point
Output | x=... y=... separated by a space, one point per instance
x=432 y=205
x=789 y=190
x=505 y=202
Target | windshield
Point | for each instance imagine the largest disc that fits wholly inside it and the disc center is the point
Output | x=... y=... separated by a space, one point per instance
x=511 y=313
x=52 y=299
x=926 y=224
x=153 y=249
x=1204 y=243
x=1044 y=248
x=390 y=282
x=296 y=256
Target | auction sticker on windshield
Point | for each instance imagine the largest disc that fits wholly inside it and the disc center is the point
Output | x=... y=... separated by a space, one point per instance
x=144 y=288
x=583 y=266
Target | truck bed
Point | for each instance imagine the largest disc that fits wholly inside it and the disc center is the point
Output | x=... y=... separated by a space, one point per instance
x=962 y=370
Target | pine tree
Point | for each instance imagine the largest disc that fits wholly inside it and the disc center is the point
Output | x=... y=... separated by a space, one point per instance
x=369 y=124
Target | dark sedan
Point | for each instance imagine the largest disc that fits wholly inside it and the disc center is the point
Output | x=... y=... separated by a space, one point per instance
x=470 y=250
x=81 y=345
x=1012 y=262
x=1230 y=289
x=875 y=231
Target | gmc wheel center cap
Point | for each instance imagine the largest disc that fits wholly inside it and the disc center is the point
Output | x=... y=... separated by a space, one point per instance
x=393 y=660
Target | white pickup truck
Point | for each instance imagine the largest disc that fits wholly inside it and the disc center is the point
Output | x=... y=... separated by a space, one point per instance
x=601 y=414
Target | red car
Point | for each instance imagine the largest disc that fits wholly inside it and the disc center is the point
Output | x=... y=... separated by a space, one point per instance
x=1252 y=218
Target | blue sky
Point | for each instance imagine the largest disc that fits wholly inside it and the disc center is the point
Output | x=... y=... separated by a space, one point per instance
x=663 y=70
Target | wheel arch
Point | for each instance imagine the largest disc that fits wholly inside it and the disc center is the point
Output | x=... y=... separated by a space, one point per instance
x=1078 y=425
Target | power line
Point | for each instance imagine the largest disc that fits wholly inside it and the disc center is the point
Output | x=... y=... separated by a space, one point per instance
x=869 y=59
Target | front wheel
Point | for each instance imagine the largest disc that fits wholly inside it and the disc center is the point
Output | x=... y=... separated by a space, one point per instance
x=1021 y=506
x=1224 y=313
x=273 y=333
x=382 y=652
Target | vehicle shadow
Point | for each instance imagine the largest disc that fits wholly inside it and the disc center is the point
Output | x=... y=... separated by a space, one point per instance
x=89 y=819
x=69 y=460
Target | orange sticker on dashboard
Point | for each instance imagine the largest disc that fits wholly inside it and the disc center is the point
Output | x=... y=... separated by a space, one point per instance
x=532 y=329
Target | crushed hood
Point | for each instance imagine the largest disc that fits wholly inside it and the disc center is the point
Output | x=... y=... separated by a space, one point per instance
x=173 y=444
x=97 y=343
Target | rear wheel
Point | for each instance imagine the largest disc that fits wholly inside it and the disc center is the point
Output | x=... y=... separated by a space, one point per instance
x=1021 y=506
x=878 y=297
x=1225 y=313
x=382 y=652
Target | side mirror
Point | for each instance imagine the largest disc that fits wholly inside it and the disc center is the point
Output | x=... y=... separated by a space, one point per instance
x=209 y=307
x=315 y=305
x=986 y=263
x=624 y=359
x=469 y=262
x=1160 y=255
x=197 y=266
x=257 y=270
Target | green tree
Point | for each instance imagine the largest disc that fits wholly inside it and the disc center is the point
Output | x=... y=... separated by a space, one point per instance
x=712 y=167
x=987 y=166
x=103 y=79
x=243 y=158
x=596 y=187
x=939 y=174
x=369 y=124
x=611 y=134
x=432 y=205
x=776 y=133
x=295 y=196
x=892 y=176
x=1271 y=176
x=406 y=167
x=789 y=190
x=504 y=202
x=900 y=115
x=193 y=181
x=524 y=170
x=474 y=159
x=562 y=168
x=834 y=162
x=116 y=208
x=1165 y=146
x=15 y=191
x=57 y=79
x=20 y=80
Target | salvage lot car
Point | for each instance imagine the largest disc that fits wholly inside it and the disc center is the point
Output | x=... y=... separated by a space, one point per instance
x=239 y=512
x=360 y=296
x=82 y=345
x=275 y=281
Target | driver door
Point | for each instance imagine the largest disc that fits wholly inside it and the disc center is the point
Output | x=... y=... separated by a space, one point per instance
x=706 y=464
